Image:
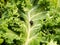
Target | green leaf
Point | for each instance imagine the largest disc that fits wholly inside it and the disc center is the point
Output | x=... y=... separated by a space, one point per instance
x=1 y=41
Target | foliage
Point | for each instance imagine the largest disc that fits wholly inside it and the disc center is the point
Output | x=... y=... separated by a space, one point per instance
x=29 y=22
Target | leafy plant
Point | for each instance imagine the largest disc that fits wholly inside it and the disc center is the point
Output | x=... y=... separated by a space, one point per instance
x=29 y=22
